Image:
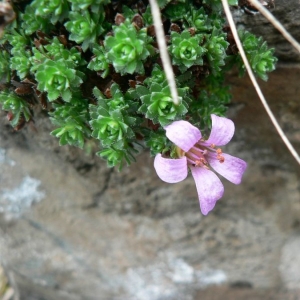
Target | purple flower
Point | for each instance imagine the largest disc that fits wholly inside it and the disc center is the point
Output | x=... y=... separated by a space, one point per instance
x=199 y=155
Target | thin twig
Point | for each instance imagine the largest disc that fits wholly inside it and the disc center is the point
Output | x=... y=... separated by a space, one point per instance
x=276 y=24
x=14 y=285
x=8 y=294
x=161 y=41
x=254 y=82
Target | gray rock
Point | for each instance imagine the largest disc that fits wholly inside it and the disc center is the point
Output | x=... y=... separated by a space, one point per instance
x=100 y=234
x=290 y=262
x=287 y=13
x=88 y=232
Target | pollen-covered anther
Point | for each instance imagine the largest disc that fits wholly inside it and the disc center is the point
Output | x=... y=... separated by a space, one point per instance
x=201 y=163
x=212 y=146
x=219 y=151
x=221 y=158
x=204 y=163
x=198 y=163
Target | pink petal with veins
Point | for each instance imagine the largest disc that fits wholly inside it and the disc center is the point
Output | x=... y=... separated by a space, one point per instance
x=232 y=168
x=171 y=170
x=183 y=134
x=209 y=187
x=221 y=132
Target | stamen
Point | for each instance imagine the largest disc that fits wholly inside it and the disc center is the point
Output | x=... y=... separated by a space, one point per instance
x=197 y=151
x=198 y=163
x=205 y=148
x=219 y=151
x=192 y=156
x=201 y=163
x=192 y=162
x=221 y=158
x=195 y=156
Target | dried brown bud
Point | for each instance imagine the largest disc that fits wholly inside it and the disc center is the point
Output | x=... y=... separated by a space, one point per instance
x=151 y=30
x=175 y=27
x=119 y=19
x=62 y=38
x=192 y=31
x=23 y=90
x=132 y=83
x=141 y=7
x=107 y=93
x=140 y=78
x=9 y=116
x=138 y=20
x=43 y=101
x=21 y=123
x=7 y=15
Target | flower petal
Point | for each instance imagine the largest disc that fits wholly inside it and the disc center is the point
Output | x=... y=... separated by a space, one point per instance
x=232 y=168
x=171 y=170
x=183 y=134
x=221 y=132
x=209 y=186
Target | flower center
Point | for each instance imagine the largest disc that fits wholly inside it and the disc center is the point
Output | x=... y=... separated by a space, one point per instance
x=197 y=155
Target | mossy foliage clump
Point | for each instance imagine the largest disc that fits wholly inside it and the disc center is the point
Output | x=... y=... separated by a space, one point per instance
x=94 y=66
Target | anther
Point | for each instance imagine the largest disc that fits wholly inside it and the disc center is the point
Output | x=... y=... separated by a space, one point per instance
x=221 y=158
x=198 y=163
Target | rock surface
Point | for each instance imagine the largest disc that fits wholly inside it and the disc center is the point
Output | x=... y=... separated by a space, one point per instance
x=72 y=229
x=84 y=232
x=287 y=13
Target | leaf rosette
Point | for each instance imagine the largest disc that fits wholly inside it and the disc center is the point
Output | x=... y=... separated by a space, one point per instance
x=259 y=55
x=109 y=120
x=57 y=79
x=4 y=67
x=158 y=104
x=57 y=9
x=156 y=141
x=21 y=63
x=128 y=48
x=111 y=129
x=198 y=19
x=99 y=62
x=71 y=122
x=116 y=157
x=186 y=50
x=85 y=27
x=216 y=46
x=95 y=5
x=17 y=106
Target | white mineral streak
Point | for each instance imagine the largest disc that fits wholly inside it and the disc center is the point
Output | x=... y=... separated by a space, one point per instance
x=170 y=280
x=4 y=159
x=14 y=202
x=290 y=263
